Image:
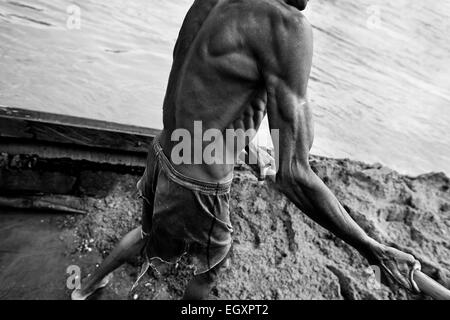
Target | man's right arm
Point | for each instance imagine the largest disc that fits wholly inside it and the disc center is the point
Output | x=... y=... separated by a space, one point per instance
x=286 y=76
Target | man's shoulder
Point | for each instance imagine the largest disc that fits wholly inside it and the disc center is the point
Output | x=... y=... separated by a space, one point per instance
x=275 y=17
x=291 y=21
x=284 y=32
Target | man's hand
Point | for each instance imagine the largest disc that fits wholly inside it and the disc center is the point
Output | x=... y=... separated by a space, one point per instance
x=261 y=161
x=398 y=266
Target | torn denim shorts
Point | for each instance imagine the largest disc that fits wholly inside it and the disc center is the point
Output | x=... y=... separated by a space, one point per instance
x=183 y=216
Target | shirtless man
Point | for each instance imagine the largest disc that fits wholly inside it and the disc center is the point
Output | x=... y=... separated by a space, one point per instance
x=234 y=62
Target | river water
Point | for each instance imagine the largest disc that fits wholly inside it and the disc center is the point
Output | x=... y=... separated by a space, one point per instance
x=380 y=84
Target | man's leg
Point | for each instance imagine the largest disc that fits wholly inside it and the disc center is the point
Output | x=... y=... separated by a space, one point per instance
x=129 y=247
x=201 y=285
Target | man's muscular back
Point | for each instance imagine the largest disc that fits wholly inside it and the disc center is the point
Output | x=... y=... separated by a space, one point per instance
x=224 y=58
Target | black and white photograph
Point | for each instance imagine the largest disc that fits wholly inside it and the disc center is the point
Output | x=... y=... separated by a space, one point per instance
x=233 y=151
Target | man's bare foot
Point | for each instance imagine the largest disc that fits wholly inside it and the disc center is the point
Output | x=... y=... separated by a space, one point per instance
x=89 y=290
x=399 y=266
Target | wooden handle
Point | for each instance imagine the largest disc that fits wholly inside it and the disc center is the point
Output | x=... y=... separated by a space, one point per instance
x=431 y=287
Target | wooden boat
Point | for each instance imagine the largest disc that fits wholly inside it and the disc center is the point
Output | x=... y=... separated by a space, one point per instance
x=44 y=156
x=51 y=167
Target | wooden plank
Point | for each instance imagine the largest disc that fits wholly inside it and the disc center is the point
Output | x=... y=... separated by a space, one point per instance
x=63 y=204
x=76 y=153
x=430 y=287
x=46 y=127
x=34 y=181
x=38 y=116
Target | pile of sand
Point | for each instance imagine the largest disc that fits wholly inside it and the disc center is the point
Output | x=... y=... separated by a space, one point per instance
x=279 y=253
